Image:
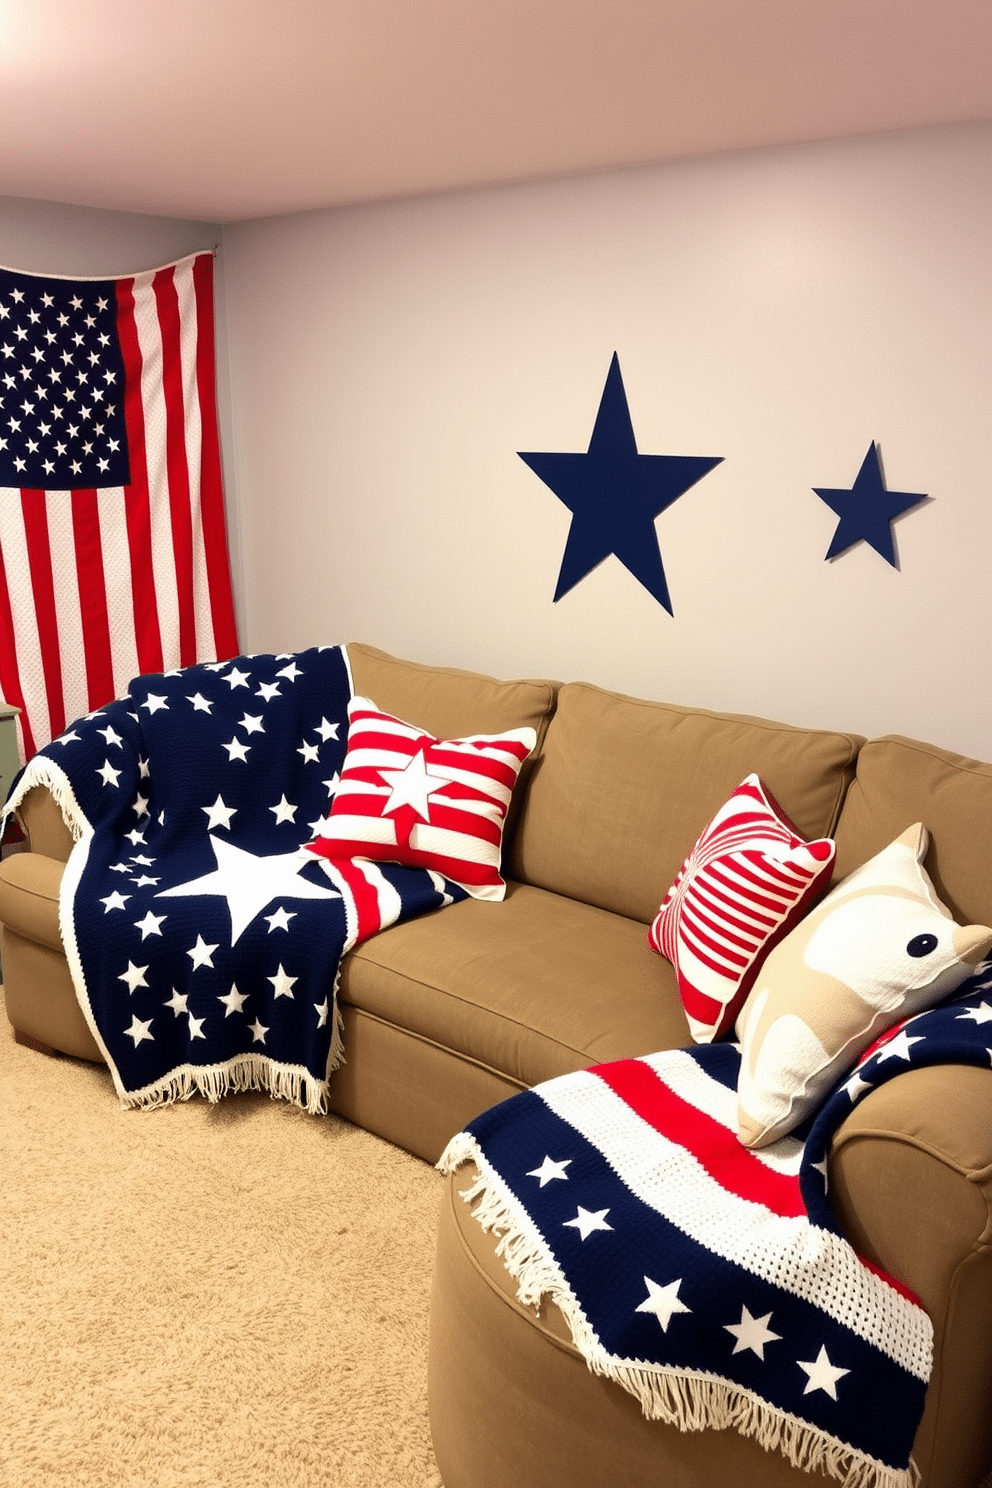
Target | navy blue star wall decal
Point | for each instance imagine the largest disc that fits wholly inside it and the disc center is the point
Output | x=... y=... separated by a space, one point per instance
x=615 y=494
x=867 y=510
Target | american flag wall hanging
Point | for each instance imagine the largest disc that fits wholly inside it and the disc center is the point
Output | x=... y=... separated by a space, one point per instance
x=113 y=542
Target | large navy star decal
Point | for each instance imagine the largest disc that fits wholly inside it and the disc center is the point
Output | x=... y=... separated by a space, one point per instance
x=615 y=494
x=867 y=510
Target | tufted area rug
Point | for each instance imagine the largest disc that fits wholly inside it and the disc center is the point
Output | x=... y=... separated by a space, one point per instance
x=228 y=1296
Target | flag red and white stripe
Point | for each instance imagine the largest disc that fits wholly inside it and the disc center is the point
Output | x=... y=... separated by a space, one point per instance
x=98 y=585
x=747 y=881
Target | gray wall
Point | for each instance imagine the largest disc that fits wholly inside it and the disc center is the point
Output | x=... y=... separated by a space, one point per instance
x=781 y=308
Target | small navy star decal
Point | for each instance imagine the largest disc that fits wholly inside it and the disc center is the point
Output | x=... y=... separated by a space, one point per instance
x=867 y=510
x=615 y=494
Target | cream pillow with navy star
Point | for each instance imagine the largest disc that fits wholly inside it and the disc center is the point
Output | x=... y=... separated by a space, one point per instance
x=880 y=947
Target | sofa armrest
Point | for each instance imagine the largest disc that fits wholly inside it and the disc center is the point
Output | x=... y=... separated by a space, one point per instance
x=39 y=996
x=29 y=897
x=46 y=830
x=911 y=1183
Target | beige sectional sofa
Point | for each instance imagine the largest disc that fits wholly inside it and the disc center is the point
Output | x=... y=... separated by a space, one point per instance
x=448 y=1014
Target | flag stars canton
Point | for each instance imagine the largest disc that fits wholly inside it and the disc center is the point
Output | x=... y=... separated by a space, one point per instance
x=61 y=385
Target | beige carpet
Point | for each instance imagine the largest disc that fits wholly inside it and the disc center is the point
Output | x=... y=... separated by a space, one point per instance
x=230 y=1296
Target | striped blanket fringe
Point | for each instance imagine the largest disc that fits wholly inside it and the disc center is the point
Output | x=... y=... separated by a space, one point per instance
x=686 y=1399
x=45 y=773
x=629 y=1177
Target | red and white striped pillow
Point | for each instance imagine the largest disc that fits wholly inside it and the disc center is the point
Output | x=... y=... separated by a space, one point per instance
x=749 y=879
x=406 y=797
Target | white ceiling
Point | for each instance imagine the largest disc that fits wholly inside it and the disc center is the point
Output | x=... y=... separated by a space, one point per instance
x=231 y=109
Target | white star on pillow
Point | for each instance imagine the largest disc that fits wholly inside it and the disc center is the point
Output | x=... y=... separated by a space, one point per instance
x=412 y=786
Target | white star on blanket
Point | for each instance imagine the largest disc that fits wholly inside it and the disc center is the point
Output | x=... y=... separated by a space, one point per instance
x=752 y=1333
x=898 y=1047
x=139 y=1029
x=980 y=1014
x=233 y=1001
x=219 y=814
x=743 y=1234
x=585 y=1222
x=249 y=883
x=822 y=1374
x=549 y=1170
x=208 y=803
x=134 y=976
x=663 y=1301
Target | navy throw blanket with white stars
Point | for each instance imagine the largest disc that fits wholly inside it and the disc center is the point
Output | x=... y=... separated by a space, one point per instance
x=711 y=1281
x=204 y=940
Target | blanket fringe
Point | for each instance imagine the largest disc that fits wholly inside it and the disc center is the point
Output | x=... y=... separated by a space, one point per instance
x=45 y=772
x=291 y=1083
x=691 y=1401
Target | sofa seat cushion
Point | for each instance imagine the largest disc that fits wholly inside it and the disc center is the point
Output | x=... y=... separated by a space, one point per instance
x=533 y=987
x=623 y=788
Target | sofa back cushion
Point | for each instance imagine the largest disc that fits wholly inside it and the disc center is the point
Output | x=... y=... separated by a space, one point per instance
x=450 y=703
x=623 y=788
x=900 y=781
x=446 y=701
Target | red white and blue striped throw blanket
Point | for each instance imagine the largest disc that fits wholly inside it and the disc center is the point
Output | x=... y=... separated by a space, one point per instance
x=711 y=1281
x=204 y=940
